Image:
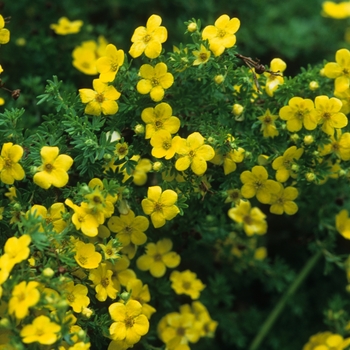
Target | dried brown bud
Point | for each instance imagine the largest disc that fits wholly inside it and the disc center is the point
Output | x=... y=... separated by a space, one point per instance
x=15 y=94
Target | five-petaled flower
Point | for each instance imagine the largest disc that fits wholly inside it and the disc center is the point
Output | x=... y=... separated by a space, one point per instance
x=53 y=171
x=163 y=145
x=10 y=170
x=299 y=113
x=186 y=282
x=100 y=100
x=327 y=112
x=202 y=55
x=109 y=64
x=221 y=35
x=193 y=152
x=282 y=202
x=4 y=33
x=268 y=126
x=155 y=80
x=65 y=26
x=149 y=39
x=160 y=205
x=256 y=182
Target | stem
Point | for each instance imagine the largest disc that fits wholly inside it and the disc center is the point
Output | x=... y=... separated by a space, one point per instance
x=267 y=325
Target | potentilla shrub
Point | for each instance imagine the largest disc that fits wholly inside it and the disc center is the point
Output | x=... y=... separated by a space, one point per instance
x=131 y=212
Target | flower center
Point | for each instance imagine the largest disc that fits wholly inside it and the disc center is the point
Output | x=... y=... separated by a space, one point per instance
x=158 y=207
x=158 y=124
x=154 y=82
x=122 y=150
x=157 y=257
x=70 y=297
x=147 y=38
x=48 y=167
x=192 y=154
x=267 y=120
x=258 y=184
x=181 y=331
x=248 y=220
x=99 y=98
x=105 y=282
x=109 y=252
x=129 y=322
x=114 y=67
x=128 y=230
x=8 y=163
x=221 y=33
x=97 y=200
x=326 y=115
x=166 y=145
x=203 y=56
x=186 y=285
x=83 y=259
x=299 y=115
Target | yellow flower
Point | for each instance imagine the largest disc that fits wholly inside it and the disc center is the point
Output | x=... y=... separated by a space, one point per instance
x=139 y=174
x=129 y=228
x=282 y=202
x=86 y=256
x=202 y=56
x=342 y=223
x=233 y=195
x=284 y=164
x=76 y=296
x=53 y=171
x=268 y=126
x=65 y=26
x=160 y=205
x=83 y=219
x=221 y=35
x=339 y=145
x=327 y=112
x=4 y=33
x=41 y=330
x=10 y=170
x=256 y=183
x=194 y=153
x=129 y=322
x=253 y=219
x=111 y=249
x=160 y=118
x=109 y=64
x=53 y=216
x=176 y=330
x=100 y=100
x=158 y=257
x=163 y=145
x=24 y=296
x=273 y=80
x=339 y=70
x=299 y=112
x=17 y=249
x=186 y=282
x=149 y=39
x=155 y=80
x=102 y=280
x=229 y=159
x=327 y=341
x=121 y=274
x=140 y=292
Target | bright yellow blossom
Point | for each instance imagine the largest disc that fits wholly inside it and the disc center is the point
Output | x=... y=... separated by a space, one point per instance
x=158 y=257
x=53 y=171
x=299 y=113
x=121 y=273
x=268 y=126
x=327 y=341
x=102 y=99
x=109 y=64
x=111 y=249
x=86 y=256
x=339 y=70
x=17 y=249
x=129 y=228
x=202 y=55
x=194 y=153
x=160 y=205
x=10 y=170
x=41 y=330
x=140 y=171
x=101 y=278
x=327 y=113
x=339 y=145
x=65 y=26
x=186 y=282
x=76 y=296
x=221 y=34
x=284 y=164
x=229 y=159
x=149 y=39
x=282 y=202
x=273 y=80
x=164 y=145
x=24 y=296
x=154 y=80
x=4 y=33
x=256 y=183
x=342 y=223
x=160 y=118
x=129 y=322
x=253 y=219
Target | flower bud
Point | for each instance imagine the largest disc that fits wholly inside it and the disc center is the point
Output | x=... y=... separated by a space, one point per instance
x=308 y=140
x=48 y=272
x=115 y=136
x=237 y=109
x=125 y=296
x=219 y=79
x=139 y=129
x=294 y=137
x=310 y=177
x=86 y=312
x=192 y=27
x=157 y=166
x=313 y=85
